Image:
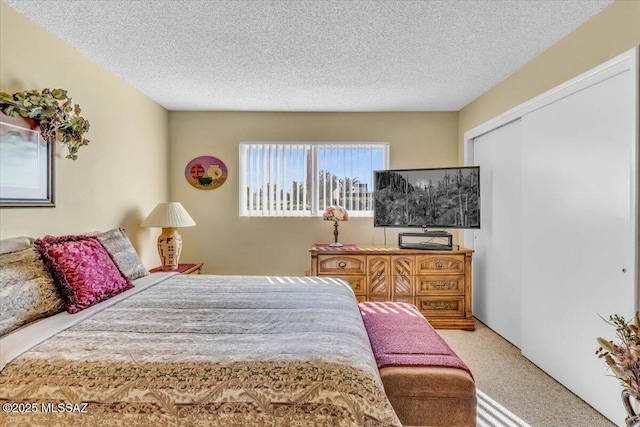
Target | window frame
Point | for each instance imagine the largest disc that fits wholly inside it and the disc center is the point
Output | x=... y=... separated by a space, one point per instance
x=314 y=194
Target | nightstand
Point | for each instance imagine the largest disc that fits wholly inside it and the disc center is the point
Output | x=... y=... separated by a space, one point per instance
x=182 y=269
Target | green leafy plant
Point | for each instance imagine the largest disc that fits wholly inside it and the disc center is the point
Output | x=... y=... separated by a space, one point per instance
x=623 y=356
x=59 y=119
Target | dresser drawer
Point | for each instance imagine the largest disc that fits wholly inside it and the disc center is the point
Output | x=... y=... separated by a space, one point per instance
x=429 y=264
x=441 y=306
x=402 y=285
x=331 y=265
x=439 y=284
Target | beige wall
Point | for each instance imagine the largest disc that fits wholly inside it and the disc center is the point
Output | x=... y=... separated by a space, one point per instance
x=232 y=245
x=610 y=33
x=613 y=31
x=133 y=161
x=121 y=174
x=229 y=244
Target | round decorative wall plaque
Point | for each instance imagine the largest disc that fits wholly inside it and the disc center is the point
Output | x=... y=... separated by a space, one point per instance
x=206 y=172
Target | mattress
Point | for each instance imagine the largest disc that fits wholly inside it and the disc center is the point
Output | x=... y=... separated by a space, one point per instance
x=199 y=350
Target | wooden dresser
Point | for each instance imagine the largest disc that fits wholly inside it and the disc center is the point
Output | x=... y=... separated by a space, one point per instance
x=437 y=282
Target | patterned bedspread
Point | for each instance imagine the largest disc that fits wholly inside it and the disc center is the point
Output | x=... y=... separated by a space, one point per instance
x=198 y=350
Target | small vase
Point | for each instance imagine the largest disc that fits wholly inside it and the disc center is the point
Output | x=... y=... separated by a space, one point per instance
x=633 y=420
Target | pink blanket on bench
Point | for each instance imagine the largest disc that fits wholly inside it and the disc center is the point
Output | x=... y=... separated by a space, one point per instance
x=401 y=336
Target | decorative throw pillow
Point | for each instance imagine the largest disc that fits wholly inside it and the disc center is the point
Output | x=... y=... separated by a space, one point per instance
x=83 y=270
x=124 y=255
x=27 y=290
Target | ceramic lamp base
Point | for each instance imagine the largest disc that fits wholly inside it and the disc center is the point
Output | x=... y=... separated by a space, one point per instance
x=169 y=248
x=335 y=245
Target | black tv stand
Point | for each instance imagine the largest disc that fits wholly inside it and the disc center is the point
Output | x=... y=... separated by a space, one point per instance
x=431 y=241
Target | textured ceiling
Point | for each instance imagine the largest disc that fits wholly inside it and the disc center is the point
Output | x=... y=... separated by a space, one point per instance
x=335 y=55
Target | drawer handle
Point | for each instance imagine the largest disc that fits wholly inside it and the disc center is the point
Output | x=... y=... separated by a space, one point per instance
x=440 y=305
x=342 y=265
x=439 y=265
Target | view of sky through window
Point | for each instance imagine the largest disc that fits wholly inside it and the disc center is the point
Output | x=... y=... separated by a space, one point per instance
x=282 y=178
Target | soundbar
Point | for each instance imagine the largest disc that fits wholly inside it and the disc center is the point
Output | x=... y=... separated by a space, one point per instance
x=426 y=246
x=436 y=241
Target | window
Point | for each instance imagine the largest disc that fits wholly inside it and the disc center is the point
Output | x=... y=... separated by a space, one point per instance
x=303 y=179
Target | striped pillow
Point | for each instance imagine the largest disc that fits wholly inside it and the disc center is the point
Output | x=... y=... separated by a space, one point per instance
x=27 y=290
x=124 y=255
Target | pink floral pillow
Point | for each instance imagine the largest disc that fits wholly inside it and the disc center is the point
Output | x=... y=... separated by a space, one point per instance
x=84 y=271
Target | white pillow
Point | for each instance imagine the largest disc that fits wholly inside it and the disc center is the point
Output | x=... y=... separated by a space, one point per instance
x=14 y=244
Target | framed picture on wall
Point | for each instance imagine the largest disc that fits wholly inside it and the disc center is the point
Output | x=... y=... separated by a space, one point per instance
x=26 y=164
x=206 y=172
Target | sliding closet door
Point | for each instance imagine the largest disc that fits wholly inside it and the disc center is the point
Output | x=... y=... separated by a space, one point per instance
x=579 y=258
x=496 y=261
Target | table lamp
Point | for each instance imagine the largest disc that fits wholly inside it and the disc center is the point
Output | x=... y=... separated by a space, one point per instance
x=169 y=216
x=335 y=214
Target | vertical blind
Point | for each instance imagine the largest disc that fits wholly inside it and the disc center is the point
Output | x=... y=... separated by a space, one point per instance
x=303 y=179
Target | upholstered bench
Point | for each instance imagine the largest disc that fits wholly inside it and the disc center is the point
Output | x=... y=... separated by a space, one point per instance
x=425 y=381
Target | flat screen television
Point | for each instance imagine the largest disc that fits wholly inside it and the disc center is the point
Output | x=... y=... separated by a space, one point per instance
x=427 y=198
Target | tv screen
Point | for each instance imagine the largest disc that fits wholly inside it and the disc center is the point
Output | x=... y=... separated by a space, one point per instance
x=427 y=198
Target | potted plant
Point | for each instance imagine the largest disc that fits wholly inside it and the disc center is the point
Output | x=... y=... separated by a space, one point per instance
x=59 y=119
x=623 y=358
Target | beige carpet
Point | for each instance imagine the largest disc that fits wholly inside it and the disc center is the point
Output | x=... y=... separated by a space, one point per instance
x=503 y=375
x=493 y=414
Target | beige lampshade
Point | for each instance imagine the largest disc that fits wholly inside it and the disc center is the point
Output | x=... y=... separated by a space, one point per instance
x=170 y=214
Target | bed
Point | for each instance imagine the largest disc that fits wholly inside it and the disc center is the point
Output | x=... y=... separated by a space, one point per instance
x=201 y=350
x=89 y=337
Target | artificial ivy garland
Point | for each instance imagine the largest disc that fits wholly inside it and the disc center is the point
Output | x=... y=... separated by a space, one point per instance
x=59 y=119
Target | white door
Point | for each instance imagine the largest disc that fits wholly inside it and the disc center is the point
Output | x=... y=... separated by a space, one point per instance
x=496 y=261
x=578 y=234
